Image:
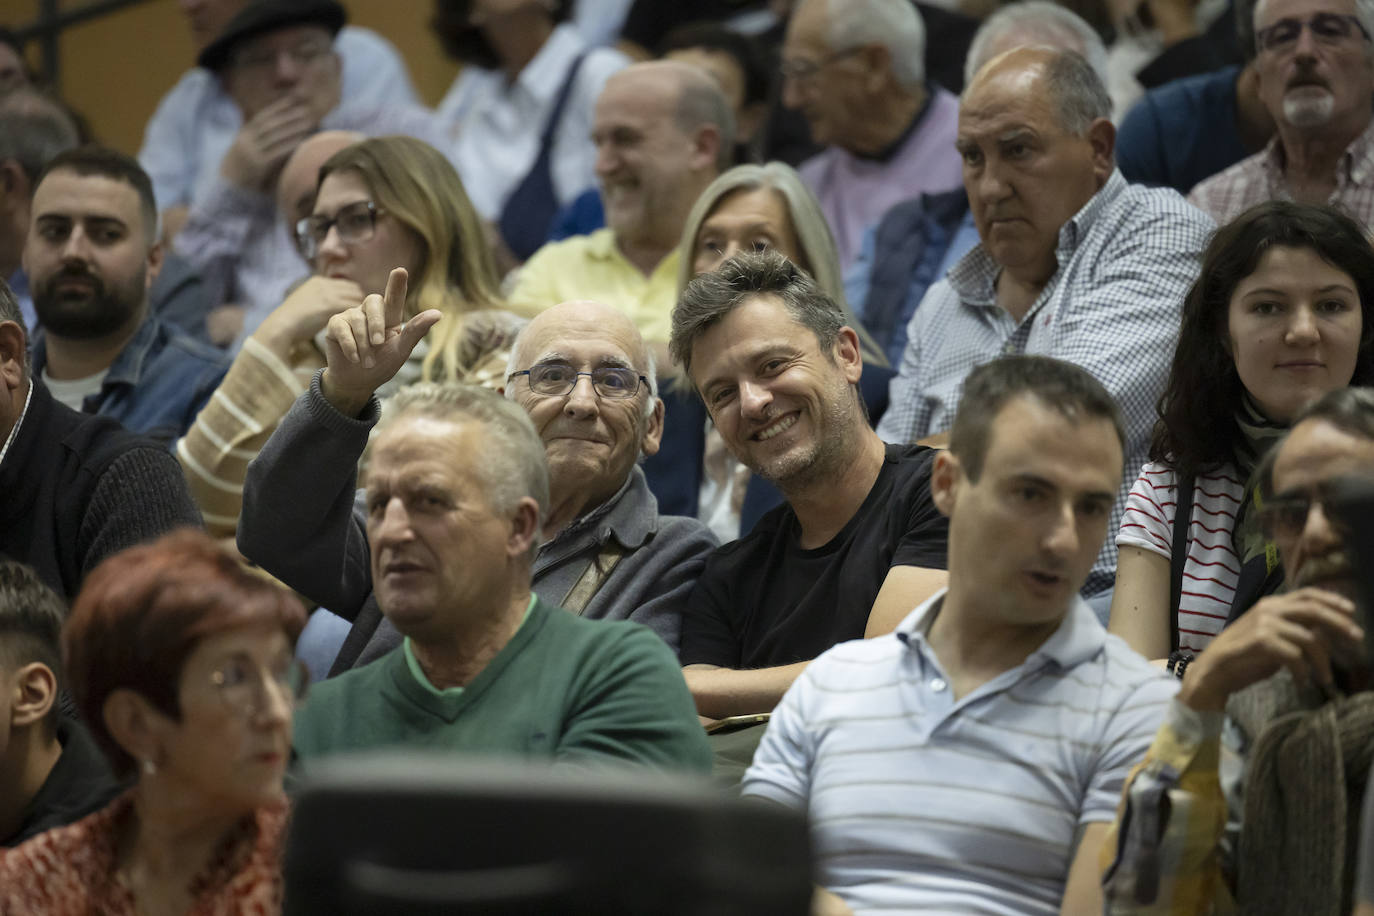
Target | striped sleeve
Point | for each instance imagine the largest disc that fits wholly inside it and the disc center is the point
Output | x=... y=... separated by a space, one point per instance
x=1148 y=519
x=233 y=426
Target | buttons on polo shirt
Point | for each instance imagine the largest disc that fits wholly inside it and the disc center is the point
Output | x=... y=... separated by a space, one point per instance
x=938 y=684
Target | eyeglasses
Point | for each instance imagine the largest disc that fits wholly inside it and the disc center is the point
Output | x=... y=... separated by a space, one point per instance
x=1285 y=517
x=556 y=380
x=355 y=223
x=242 y=685
x=801 y=71
x=257 y=61
x=1327 y=28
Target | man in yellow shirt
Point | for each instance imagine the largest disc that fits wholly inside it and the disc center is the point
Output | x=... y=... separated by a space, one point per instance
x=663 y=131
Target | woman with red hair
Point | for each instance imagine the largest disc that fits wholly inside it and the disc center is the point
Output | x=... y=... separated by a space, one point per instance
x=181 y=664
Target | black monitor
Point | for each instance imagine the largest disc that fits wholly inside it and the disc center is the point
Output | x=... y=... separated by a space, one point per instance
x=401 y=833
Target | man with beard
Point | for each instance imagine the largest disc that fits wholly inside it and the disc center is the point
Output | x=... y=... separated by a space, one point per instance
x=1252 y=787
x=859 y=536
x=91 y=254
x=1315 y=69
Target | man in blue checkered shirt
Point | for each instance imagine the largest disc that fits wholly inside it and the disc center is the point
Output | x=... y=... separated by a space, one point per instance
x=1073 y=262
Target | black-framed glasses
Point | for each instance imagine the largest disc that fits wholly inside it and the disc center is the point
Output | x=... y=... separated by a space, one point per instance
x=1327 y=28
x=801 y=71
x=354 y=223
x=558 y=379
x=242 y=684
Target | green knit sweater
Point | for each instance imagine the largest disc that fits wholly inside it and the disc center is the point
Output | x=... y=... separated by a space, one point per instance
x=563 y=688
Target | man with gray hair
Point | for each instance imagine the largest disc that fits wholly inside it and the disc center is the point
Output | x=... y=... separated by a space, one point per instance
x=854 y=68
x=1314 y=66
x=583 y=374
x=917 y=241
x=1072 y=261
x=457 y=493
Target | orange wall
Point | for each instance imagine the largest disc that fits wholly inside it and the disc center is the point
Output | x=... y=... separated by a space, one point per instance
x=115 y=69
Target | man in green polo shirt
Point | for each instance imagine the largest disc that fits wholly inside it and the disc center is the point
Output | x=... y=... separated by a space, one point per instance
x=456 y=486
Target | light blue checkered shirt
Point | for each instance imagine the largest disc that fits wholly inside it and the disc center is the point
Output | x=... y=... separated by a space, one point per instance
x=1126 y=261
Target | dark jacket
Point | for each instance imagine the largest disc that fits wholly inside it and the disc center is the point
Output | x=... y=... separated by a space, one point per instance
x=75 y=489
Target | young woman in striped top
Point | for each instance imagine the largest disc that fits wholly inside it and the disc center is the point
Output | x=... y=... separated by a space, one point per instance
x=1280 y=315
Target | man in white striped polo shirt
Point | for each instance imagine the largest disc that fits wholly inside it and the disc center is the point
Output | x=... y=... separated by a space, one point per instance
x=971 y=762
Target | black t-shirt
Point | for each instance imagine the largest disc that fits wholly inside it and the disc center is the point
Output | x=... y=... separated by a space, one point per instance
x=78 y=784
x=763 y=600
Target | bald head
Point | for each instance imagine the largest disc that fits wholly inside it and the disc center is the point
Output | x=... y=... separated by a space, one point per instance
x=584 y=319
x=300 y=175
x=684 y=92
x=1064 y=77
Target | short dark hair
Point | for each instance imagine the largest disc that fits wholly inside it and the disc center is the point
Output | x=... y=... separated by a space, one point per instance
x=1197 y=430
x=141 y=613
x=1062 y=386
x=710 y=296
x=30 y=624
x=92 y=160
x=712 y=36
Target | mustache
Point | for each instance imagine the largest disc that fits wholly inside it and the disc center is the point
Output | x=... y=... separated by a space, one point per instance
x=1327 y=566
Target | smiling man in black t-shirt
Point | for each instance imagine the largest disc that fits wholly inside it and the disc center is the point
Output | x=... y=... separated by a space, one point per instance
x=858 y=543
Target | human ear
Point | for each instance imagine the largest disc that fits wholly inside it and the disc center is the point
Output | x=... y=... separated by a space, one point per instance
x=525 y=531
x=945 y=476
x=849 y=355
x=135 y=724
x=35 y=691
x=653 y=430
x=1102 y=138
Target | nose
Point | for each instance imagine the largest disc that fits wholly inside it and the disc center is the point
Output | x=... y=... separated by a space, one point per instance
x=1317 y=536
x=286 y=70
x=394 y=525
x=754 y=399
x=582 y=401
x=77 y=246
x=1302 y=327
x=275 y=704
x=606 y=159
x=331 y=247
x=988 y=184
x=1061 y=538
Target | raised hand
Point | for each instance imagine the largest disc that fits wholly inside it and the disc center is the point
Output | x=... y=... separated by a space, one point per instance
x=306 y=311
x=366 y=346
x=262 y=145
x=1300 y=630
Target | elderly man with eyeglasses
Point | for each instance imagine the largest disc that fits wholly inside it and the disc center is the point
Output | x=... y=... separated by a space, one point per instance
x=854 y=69
x=1315 y=69
x=582 y=373
x=1248 y=800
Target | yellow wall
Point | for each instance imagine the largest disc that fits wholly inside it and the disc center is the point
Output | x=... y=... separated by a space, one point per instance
x=115 y=69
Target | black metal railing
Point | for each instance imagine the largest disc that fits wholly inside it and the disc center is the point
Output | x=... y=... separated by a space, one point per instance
x=47 y=28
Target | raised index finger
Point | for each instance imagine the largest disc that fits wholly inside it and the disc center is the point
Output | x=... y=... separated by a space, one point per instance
x=395 y=297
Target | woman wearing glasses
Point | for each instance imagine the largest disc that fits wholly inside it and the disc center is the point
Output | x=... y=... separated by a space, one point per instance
x=1281 y=315
x=382 y=203
x=180 y=662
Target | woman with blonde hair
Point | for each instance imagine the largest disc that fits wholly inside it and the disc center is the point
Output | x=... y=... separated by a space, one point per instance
x=381 y=203
x=748 y=208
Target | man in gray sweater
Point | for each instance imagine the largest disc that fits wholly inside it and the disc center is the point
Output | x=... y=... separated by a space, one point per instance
x=583 y=374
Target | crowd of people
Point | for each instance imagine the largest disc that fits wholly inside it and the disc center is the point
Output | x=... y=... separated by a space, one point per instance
x=953 y=421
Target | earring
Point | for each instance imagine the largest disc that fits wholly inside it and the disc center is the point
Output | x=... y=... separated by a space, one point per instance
x=149 y=768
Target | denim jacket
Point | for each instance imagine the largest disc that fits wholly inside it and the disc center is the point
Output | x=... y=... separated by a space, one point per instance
x=158 y=382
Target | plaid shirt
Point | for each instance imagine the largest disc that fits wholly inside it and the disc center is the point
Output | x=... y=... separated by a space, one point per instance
x=1126 y=260
x=1260 y=177
x=1168 y=852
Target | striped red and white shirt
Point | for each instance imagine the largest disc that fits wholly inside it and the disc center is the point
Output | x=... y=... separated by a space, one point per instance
x=1212 y=567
